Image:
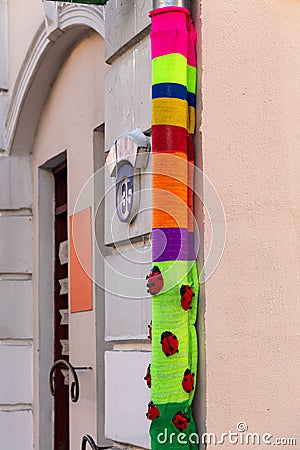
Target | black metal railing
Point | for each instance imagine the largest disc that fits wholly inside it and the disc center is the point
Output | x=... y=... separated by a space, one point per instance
x=63 y=364
x=87 y=439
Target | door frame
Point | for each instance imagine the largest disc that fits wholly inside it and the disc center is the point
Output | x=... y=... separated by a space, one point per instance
x=44 y=301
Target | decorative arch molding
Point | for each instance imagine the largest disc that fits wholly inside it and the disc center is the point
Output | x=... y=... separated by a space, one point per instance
x=64 y=26
x=74 y=14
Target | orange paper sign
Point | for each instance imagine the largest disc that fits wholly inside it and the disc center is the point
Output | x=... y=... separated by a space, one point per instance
x=81 y=286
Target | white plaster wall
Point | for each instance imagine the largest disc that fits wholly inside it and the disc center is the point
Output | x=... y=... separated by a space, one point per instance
x=128 y=307
x=251 y=113
x=15 y=430
x=16 y=319
x=130 y=20
x=15 y=182
x=126 y=397
x=16 y=373
x=16 y=306
x=115 y=230
x=128 y=96
x=127 y=106
x=18 y=237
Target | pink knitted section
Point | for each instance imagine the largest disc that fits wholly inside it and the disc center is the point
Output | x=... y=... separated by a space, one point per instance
x=167 y=38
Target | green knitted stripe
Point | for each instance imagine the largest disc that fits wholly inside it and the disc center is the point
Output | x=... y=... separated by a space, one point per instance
x=194 y=283
x=191 y=79
x=170 y=68
x=165 y=435
x=176 y=272
x=193 y=357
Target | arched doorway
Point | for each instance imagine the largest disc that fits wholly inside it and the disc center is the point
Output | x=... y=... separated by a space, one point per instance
x=58 y=99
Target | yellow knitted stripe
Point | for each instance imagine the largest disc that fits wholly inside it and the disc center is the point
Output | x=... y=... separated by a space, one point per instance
x=170 y=111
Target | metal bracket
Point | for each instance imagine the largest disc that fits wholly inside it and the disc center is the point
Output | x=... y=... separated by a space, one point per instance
x=87 y=439
x=62 y=364
x=164 y=3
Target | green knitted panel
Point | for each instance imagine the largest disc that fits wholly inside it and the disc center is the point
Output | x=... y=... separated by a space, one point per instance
x=167 y=315
x=164 y=434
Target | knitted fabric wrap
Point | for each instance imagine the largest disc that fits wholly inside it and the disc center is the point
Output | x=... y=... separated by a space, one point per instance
x=173 y=120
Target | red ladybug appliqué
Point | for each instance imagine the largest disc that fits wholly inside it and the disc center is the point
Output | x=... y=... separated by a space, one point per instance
x=147 y=377
x=188 y=381
x=155 y=281
x=153 y=411
x=187 y=295
x=169 y=343
x=180 y=421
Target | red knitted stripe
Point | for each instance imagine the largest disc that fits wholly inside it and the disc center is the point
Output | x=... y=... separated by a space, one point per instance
x=169 y=138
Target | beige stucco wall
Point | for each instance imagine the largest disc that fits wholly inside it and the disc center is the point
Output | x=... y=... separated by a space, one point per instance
x=251 y=112
x=74 y=108
x=24 y=19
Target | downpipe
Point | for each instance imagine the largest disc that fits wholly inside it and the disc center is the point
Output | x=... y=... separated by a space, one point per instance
x=165 y=3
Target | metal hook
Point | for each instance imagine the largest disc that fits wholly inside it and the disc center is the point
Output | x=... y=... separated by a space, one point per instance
x=60 y=364
x=87 y=439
